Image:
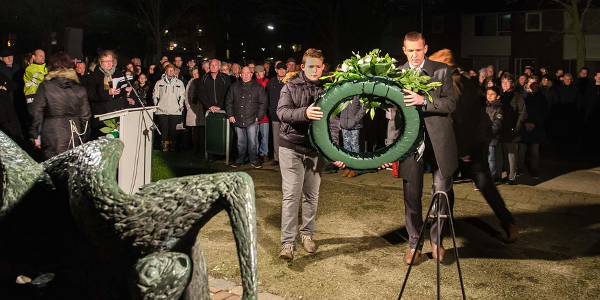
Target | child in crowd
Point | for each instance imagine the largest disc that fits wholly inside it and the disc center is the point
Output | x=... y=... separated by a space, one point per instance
x=494 y=111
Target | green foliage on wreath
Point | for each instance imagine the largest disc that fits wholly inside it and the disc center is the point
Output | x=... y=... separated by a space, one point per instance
x=373 y=64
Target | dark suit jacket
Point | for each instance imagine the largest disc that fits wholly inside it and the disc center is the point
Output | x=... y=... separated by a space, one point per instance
x=438 y=120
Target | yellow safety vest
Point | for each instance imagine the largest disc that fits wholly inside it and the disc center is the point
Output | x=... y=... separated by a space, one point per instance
x=33 y=77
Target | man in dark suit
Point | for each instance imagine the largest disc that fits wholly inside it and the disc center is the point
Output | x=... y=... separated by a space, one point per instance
x=438 y=148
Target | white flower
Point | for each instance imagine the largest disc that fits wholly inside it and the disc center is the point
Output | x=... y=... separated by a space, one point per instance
x=360 y=61
x=344 y=67
x=394 y=67
x=350 y=68
x=368 y=59
x=357 y=56
x=378 y=58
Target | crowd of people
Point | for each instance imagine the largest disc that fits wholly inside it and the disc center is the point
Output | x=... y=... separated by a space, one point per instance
x=477 y=124
x=537 y=108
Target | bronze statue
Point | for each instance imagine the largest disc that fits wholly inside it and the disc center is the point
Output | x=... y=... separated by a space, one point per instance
x=155 y=229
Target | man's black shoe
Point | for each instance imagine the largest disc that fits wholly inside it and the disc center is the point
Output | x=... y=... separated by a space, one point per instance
x=275 y=163
x=236 y=165
x=257 y=165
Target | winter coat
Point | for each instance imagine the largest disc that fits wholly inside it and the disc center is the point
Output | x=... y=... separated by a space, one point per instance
x=169 y=96
x=264 y=82
x=569 y=94
x=143 y=92
x=352 y=115
x=59 y=99
x=100 y=101
x=211 y=92
x=297 y=94
x=437 y=116
x=246 y=102
x=496 y=117
x=515 y=114
x=468 y=117
x=195 y=113
x=537 y=111
x=9 y=121
x=9 y=71
x=274 y=89
x=551 y=95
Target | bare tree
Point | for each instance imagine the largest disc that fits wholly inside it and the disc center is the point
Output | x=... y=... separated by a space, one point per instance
x=577 y=10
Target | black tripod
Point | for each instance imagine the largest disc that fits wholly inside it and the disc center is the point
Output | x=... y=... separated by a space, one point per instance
x=434 y=207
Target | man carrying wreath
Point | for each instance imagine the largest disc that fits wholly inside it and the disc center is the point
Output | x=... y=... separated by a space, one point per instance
x=438 y=148
x=299 y=161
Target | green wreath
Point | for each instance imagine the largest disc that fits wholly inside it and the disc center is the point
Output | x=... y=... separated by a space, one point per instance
x=408 y=141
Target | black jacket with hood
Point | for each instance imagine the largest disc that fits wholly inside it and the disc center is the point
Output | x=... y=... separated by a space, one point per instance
x=297 y=94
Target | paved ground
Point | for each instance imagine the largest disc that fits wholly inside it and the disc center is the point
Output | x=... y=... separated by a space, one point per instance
x=362 y=241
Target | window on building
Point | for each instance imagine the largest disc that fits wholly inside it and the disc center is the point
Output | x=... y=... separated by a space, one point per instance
x=533 y=22
x=485 y=25
x=492 y=25
x=504 y=24
x=437 y=25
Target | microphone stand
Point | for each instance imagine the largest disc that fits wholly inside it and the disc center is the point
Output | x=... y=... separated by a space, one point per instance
x=153 y=127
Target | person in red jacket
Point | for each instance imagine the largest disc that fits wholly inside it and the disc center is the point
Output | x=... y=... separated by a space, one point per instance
x=263 y=125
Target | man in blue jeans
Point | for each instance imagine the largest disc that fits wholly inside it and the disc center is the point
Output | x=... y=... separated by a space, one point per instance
x=245 y=104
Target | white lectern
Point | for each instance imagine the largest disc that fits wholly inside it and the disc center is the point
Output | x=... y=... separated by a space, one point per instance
x=135 y=165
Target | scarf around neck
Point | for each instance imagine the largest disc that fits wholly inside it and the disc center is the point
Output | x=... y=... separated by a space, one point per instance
x=107 y=76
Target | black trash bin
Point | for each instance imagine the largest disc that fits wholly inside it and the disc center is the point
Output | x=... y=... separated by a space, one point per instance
x=217 y=134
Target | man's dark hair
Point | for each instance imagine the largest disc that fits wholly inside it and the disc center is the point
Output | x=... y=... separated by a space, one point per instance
x=414 y=36
x=507 y=76
x=60 y=60
x=312 y=53
x=584 y=68
x=493 y=88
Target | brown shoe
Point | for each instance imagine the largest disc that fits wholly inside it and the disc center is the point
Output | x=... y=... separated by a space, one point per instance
x=308 y=243
x=434 y=251
x=512 y=233
x=287 y=252
x=409 y=256
x=346 y=173
x=165 y=146
x=352 y=174
x=265 y=158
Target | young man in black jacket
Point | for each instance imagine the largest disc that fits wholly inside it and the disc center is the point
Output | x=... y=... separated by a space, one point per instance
x=246 y=104
x=300 y=164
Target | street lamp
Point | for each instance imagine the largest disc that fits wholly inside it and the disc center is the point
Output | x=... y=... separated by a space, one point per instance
x=270 y=27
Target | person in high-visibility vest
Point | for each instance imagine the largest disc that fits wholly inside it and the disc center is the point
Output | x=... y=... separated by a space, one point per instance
x=34 y=75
